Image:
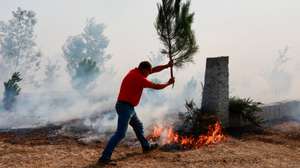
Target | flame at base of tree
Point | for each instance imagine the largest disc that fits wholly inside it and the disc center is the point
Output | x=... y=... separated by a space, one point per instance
x=167 y=135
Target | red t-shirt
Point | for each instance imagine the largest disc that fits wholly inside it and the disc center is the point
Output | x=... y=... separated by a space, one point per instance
x=132 y=87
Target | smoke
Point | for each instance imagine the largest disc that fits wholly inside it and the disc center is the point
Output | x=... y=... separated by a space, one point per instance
x=44 y=106
x=283 y=79
x=91 y=114
x=56 y=102
x=268 y=79
x=279 y=79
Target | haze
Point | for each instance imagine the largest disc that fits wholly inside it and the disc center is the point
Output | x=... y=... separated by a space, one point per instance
x=250 y=32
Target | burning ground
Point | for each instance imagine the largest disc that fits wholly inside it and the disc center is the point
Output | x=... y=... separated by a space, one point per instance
x=278 y=145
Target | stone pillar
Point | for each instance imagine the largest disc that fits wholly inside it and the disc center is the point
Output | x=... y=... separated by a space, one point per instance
x=215 y=98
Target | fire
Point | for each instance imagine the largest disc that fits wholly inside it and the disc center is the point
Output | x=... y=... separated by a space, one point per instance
x=169 y=136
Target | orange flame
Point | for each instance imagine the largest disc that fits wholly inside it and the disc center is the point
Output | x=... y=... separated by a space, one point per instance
x=169 y=136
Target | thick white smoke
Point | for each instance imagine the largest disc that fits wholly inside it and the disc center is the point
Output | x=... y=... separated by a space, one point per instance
x=56 y=102
x=41 y=106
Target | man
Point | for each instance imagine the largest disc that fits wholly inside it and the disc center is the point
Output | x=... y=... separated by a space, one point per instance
x=129 y=96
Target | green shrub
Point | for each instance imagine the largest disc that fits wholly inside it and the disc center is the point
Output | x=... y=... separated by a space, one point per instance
x=247 y=108
x=11 y=91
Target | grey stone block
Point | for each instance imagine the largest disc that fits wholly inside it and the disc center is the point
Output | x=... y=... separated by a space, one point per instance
x=215 y=98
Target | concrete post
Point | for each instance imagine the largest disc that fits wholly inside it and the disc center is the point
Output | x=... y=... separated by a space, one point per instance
x=215 y=98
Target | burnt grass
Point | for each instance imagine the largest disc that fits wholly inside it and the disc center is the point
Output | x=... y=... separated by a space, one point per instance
x=276 y=144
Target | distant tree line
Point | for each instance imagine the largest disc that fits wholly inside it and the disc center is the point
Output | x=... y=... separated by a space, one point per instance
x=84 y=53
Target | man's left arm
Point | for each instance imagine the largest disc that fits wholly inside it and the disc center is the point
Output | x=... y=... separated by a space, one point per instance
x=161 y=67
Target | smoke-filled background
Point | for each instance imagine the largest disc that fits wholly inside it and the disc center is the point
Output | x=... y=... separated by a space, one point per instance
x=75 y=54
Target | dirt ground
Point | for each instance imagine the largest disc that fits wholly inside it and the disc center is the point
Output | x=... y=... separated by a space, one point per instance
x=276 y=147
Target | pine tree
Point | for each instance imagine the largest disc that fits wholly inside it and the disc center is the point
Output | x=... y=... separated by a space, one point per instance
x=173 y=25
x=12 y=90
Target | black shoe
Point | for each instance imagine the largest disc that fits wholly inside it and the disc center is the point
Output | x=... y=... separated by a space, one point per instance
x=103 y=162
x=150 y=148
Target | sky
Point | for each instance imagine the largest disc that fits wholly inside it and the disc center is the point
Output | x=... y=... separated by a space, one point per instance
x=250 y=32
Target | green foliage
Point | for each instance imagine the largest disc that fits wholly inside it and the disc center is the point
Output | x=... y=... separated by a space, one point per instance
x=247 y=108
x=173 y=25
x=12 y=90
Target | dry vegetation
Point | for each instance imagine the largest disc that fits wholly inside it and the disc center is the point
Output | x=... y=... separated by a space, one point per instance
x=276 y=147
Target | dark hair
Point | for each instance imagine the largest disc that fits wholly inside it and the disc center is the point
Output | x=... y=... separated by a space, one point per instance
x=145 y=65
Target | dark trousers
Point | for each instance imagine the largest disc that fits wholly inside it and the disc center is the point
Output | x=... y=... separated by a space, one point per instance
x=126 y=115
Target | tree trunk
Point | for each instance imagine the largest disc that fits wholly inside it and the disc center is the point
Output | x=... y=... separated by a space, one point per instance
x=171 y=69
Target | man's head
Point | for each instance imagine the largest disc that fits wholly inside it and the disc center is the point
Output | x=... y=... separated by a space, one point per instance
x=145 y=67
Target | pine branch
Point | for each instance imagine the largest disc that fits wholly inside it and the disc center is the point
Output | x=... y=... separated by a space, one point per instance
x=173 y=25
